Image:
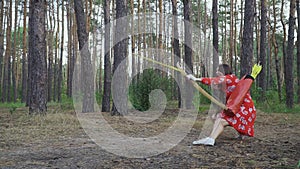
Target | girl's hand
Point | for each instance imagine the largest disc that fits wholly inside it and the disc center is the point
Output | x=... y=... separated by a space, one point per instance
x=191 y=77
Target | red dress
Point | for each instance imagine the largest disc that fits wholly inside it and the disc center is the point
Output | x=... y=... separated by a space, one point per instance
x=243 y=120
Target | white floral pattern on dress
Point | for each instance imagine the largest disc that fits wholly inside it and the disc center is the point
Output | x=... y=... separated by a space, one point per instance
x=245 y=112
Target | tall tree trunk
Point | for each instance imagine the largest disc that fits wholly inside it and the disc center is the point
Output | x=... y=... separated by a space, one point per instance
x=56 y=53
x=139 y=45
x=24 y=55
x=70 y=18
x=18 y=67
x=6 y=92
x=269 y=54
x=50 y=63
x=231 y=39
x=74 y=53
x=176 y=49
x=50 y=52
x=224 y=35
x=60 y=67
x=160 y=30
x=289 y=60
x=188 y=53
x=107 y=63
x=235 y=39
x=277 y=62
x=37 y=52
x=257 y=24
x=120 y=52
x=1 y=43
x=298 y=51
x=215 y=35
x=87 y=84
x=133 y=39
x=284 y=34
x=241 y=32
x=69 y=26
x=14 y=57
x=205 y=23
x=262 y=59
x=247 y=43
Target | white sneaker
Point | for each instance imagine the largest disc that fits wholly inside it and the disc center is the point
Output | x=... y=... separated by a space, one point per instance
x=205 y=141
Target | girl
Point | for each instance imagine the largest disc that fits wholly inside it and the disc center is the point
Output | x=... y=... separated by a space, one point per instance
x=242 y=120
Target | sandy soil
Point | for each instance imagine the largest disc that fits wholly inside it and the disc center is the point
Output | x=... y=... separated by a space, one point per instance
x=276 y=145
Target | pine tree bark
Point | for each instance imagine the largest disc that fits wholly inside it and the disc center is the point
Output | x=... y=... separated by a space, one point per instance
x=56 y=53
x=247 y=43
x=176 y=50
x=87 y=85
x=6 y=91
x=1 y=43
x=215 y=35
x=50 y=63
x=284 y=35
x=60 y=67
x=70 y=50
x=263 y=31
x=276 y=50
x=235 y=39
x=120 y=52
x=14 y=55
x=24 y=55
x=37 y=59
x=298 y=50
x=231 y=38
x=241 y=31
x=188 y=53
x=107 y=63
x=290 y=58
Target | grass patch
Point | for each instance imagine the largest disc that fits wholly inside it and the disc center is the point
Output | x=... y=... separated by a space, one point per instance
x=20 y=128
x=277 y=108
x=10 y=105
x=272 y=103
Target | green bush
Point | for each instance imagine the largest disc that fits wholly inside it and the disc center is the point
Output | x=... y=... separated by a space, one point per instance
x=144 y=83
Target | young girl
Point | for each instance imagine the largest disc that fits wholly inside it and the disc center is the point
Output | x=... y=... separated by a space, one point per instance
x=243 y=120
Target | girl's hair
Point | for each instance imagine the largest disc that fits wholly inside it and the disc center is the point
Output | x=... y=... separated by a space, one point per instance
x=225 y=69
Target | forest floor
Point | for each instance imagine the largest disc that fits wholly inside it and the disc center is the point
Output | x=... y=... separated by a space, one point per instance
x=57 y=140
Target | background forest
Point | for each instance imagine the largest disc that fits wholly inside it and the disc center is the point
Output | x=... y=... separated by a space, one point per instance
x=60 y=59
x=41 y=40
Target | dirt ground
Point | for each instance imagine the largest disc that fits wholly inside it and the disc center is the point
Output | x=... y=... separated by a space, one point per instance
x=58 y=141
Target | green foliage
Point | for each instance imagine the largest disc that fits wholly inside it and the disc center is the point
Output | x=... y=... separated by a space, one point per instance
x=19 y=37
x=202 y=108
x=272 y=104
x=67 y=103
x=200 y=98
x=12 y=106
x=98 y=2
x=12 y=109
x=98 y=97
x=142 y=85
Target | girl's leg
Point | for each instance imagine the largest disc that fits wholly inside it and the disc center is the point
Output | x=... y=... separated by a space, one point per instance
x=217 y=130
x=218 y=127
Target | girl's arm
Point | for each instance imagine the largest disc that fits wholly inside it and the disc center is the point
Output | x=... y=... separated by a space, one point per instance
x=212 y=80
x=206 y=80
